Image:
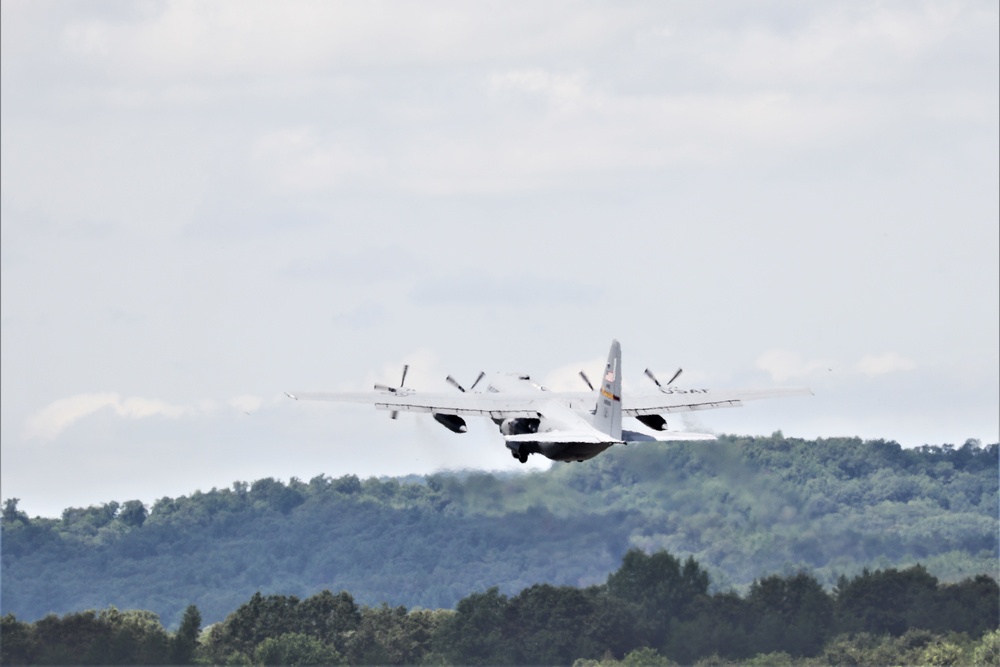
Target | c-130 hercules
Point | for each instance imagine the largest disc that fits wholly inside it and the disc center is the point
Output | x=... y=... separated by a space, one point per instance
x=562 y=426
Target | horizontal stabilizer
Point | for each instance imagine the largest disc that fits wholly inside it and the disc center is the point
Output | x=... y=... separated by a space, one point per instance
x=664 y=436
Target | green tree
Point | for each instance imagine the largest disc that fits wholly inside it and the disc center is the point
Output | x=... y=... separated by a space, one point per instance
x=294 y=648
x=889 y=601
x=720 y=625
x=136 y=637
x=971 y=606
x=329 y=618
x=791 y=614
x=275 y=494
x=866 y=649
x=941 y=654
x=10 y=512
x=660 y=587
x=260 y=618
x=347 y=485
x=544 y=623
x=133 y=513
x=77 y=638
x=185 y=641
x=473 y=635
x=645 y=657
x=18 y=645
x=987 y=652
x=392 y=636
x=611 y=625
x=108 y=637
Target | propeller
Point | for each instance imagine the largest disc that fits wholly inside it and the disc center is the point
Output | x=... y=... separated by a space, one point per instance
x=453 y=382
x=587 y=380
x=481 y=375
x=383 y=387
x=659 y=386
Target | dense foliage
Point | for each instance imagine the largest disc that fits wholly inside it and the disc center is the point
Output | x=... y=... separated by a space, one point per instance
x=744 y=508
x=108 y=637
x=654 y=608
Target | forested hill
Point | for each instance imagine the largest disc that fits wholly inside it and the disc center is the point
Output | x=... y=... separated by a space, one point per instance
x=743 y=507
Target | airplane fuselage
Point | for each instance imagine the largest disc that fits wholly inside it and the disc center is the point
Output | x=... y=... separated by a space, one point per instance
x=559 y=451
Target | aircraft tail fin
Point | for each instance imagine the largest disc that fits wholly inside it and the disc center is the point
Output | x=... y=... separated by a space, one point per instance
x=608 y=415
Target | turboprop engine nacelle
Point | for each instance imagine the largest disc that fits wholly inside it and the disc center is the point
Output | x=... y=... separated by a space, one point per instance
x=655 y=422
x=453 y=423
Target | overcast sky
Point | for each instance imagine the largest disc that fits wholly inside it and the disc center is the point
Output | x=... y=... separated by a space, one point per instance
x=205 y=204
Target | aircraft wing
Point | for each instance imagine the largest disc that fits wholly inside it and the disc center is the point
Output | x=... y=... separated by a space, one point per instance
x=687 y=400
x=496 y=405
x=502 y=405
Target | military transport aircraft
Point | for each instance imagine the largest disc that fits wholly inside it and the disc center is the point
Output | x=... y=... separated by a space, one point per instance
x=558 y=425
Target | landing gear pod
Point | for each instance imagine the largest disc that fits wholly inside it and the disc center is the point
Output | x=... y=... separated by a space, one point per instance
x=519 y=425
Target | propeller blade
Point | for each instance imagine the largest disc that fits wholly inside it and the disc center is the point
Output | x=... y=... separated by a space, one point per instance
x=482 y=374
x=587 y=380
x=676 y=375
x=382 y=387
x=652 y=377
x=453 y=382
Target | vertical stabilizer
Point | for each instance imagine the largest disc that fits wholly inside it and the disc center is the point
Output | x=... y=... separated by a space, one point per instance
x=608 y=416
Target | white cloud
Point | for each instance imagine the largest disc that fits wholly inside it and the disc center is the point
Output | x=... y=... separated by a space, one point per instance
x=839 y=45
x=783 y=365
x=138 y=408
x=246 y=403
x=567 y=377
x=882 y=364
x=192 y=39
x=53 y=419
x=296 y=160
x=562 y=90
x=585 y=130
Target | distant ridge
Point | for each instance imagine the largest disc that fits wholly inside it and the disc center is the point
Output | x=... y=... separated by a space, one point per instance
x=744 y=507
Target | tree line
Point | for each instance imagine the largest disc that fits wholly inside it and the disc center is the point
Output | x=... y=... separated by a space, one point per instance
x=743 y=507
x=654 y=609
